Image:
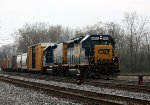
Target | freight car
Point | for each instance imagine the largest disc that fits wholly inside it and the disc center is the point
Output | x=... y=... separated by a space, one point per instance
x=4 y=63
x=22 y=62
x=35 y=56
x=9 y=63
x=92 y=55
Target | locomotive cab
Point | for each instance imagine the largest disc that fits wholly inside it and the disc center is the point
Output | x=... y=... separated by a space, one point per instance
x=99 y=49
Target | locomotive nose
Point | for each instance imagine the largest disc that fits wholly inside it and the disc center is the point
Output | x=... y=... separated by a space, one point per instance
x=103 y=53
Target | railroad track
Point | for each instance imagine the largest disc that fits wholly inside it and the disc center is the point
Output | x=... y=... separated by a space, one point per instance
x=126 y=87
x=97 y=83
x=86 y=97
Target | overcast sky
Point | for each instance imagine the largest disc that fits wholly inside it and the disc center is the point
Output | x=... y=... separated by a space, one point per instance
x=73 y=13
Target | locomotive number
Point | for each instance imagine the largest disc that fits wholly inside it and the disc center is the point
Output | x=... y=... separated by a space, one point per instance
x=95 y=38
x=103 y=51
x=105 y=38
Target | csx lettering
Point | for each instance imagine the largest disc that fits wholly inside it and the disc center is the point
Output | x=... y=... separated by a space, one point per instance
x=103 y=51
x=100 y=51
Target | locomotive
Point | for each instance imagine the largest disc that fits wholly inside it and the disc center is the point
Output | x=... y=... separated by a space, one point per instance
x=92 y=55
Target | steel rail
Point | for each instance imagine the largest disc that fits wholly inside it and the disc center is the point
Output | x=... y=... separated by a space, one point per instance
x=78 y=95
x=126 y=87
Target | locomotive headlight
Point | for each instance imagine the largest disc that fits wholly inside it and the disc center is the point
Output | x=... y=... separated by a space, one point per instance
x=113 y=58
x=98 y=60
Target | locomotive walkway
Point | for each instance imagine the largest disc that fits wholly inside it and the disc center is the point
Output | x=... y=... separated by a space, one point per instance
x=86 y=97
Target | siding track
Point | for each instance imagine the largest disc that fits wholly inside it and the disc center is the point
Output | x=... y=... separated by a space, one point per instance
x=86 y=97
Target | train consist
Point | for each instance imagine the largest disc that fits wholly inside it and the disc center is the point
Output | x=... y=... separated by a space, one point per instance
x=92 y=55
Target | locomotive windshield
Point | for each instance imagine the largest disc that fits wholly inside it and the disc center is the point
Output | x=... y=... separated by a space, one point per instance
x=102 y=40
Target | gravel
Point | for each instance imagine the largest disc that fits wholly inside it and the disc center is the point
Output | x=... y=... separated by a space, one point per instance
x=12 y=95
x=136 y=95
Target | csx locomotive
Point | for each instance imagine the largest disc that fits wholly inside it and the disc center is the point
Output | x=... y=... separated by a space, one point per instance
x=92 y=55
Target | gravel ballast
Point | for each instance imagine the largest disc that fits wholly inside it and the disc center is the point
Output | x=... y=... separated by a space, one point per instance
x=12 y=95
x=136 y=95
x=85 y=87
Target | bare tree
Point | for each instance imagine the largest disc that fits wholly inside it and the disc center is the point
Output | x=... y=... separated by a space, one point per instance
x=7 y=50
x=66 y=35
x=79 y=32
x=31 y=34
x=116 y=31
x=135 y=28
x=98 y=28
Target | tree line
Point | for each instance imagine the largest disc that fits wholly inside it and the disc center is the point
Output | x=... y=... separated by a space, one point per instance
x=132 y=39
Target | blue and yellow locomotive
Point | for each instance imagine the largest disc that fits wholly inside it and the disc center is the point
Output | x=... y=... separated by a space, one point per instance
x=92 y=55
